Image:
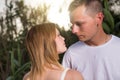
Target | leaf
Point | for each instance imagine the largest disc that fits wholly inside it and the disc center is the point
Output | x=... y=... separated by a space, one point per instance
x=12 y=62
x=106 y=28
x=109 y=18
x=19 y=54
x=10 y=78
x=21 y=69
x=106 y=4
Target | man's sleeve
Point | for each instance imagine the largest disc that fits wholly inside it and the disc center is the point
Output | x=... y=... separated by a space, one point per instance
x=66 y=62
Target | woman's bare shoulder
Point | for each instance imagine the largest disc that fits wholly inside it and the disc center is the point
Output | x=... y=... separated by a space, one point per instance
x=74 y=75
x=26 y=76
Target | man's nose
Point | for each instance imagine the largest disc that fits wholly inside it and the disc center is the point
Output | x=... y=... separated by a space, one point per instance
x=75 y=29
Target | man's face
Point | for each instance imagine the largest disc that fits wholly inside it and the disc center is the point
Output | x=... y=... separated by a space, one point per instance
x=83 y=25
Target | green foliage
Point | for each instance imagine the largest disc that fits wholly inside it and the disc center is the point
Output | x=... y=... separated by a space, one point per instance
x=14 y=60
x=17 y=67
x=109 y=19
x=109 y=24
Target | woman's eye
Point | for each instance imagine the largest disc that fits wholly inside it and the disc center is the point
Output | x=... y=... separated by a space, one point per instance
x=58 y=35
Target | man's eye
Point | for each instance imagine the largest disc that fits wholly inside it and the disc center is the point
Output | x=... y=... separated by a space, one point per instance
x=78 y=24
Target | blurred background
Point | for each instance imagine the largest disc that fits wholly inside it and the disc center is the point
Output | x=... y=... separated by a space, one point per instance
x=17 y=16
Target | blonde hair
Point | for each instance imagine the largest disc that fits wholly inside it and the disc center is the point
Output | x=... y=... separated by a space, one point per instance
x=92 y=6
x=40 y=42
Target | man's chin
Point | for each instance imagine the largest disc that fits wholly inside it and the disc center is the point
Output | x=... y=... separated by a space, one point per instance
x=81 y=39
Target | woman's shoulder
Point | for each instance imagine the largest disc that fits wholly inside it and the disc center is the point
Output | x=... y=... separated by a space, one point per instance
x=26 y=76
x=73 y=75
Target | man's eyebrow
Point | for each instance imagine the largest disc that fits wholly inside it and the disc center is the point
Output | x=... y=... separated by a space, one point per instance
x=78 y=22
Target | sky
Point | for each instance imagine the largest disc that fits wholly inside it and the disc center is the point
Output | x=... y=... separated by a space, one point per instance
x=2 y=6
x=62 y=19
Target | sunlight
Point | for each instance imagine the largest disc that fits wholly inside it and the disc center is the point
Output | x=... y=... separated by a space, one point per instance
x=61 y=17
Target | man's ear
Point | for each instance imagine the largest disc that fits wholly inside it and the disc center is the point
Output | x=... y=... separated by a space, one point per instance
x=99 y=18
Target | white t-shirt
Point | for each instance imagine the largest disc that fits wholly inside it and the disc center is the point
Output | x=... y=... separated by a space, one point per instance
x=95 y=62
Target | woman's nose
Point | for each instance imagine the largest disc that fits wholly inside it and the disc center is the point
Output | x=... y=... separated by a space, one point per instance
x=62 y=37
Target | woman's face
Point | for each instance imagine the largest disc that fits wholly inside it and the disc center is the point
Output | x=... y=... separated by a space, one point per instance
x=59 y=40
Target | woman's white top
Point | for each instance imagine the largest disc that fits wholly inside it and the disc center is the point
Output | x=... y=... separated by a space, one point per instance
x=64 y=74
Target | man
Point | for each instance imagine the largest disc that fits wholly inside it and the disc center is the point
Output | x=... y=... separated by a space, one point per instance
x=97 y=54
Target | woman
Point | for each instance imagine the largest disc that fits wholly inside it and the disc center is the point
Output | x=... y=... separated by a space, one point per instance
x=44 y=43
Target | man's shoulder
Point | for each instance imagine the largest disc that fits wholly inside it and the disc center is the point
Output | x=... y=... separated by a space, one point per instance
x=76 y=44
x=115 y=39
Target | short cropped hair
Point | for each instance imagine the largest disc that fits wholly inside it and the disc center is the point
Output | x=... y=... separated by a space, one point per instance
x=93 y=6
